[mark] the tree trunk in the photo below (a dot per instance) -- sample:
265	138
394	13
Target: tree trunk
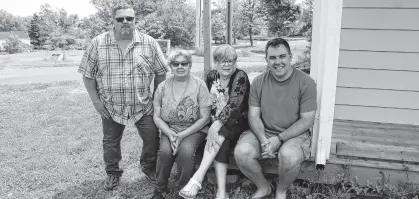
250	37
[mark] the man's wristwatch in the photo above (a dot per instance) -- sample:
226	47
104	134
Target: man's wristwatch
280	139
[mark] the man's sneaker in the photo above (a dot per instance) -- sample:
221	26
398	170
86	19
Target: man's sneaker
151	177
157	195
111	183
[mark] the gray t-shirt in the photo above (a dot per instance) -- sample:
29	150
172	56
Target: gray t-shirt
181	114
282	102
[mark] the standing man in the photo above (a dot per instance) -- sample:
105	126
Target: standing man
282	106
118	67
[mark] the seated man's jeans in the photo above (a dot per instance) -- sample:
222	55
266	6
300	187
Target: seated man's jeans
185	159
112	135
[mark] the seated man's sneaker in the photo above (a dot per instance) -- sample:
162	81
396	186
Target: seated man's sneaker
111	183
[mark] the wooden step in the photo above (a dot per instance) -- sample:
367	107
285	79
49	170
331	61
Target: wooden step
394	140
378	151
374	164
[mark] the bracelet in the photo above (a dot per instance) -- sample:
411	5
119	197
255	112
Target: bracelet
280	139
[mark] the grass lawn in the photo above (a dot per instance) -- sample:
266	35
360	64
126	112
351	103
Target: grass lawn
51	146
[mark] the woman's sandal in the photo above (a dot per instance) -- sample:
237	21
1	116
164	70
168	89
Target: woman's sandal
191	185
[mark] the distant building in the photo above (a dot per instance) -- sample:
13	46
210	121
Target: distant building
23	36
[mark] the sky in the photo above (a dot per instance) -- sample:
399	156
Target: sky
24	8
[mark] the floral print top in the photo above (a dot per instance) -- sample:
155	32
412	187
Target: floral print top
219	98
229	104
181	114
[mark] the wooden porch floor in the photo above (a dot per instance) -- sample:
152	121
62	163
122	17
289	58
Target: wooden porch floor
370	152
384	142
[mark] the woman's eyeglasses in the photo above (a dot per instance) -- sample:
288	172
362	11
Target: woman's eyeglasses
176	64
227	63
121	19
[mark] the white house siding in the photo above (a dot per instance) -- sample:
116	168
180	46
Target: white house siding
378	74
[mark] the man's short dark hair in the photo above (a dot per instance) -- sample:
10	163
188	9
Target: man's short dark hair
275	43
121	6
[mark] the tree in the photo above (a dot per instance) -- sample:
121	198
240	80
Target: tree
49	28
251	17
178	21
220	9
304	60
170	19
34	30
281	15
101	21
218	25
56	28
8	22
307	17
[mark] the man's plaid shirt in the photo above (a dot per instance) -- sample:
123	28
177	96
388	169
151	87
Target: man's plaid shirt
123	81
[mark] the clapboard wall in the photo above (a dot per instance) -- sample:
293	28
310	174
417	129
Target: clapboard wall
378	74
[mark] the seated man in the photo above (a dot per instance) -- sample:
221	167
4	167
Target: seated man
282	106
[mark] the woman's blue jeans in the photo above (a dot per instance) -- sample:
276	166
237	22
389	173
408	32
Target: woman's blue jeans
185	159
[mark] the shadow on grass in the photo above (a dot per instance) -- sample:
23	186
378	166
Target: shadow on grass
142	189
94	189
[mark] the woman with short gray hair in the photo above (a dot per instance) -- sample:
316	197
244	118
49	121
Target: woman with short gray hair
229	89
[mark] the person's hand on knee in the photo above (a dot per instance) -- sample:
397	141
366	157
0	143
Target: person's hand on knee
213	139
212	143
270	148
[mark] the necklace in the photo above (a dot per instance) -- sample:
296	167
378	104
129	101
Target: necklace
224	82
221	85
184	89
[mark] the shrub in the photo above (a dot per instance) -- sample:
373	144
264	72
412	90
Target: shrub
14	45
199	51
80	44
304	61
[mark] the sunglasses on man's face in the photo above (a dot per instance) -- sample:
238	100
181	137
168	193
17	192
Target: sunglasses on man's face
121	19
176	64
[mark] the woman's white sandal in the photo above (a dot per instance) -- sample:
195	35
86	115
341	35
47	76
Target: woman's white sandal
192	182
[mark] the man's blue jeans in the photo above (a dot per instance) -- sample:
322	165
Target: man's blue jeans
185	159
112	135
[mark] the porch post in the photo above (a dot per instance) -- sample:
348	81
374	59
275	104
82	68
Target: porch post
324	67
207	38
229	22
198	24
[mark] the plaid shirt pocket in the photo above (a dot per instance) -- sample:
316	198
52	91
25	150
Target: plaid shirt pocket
143	75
